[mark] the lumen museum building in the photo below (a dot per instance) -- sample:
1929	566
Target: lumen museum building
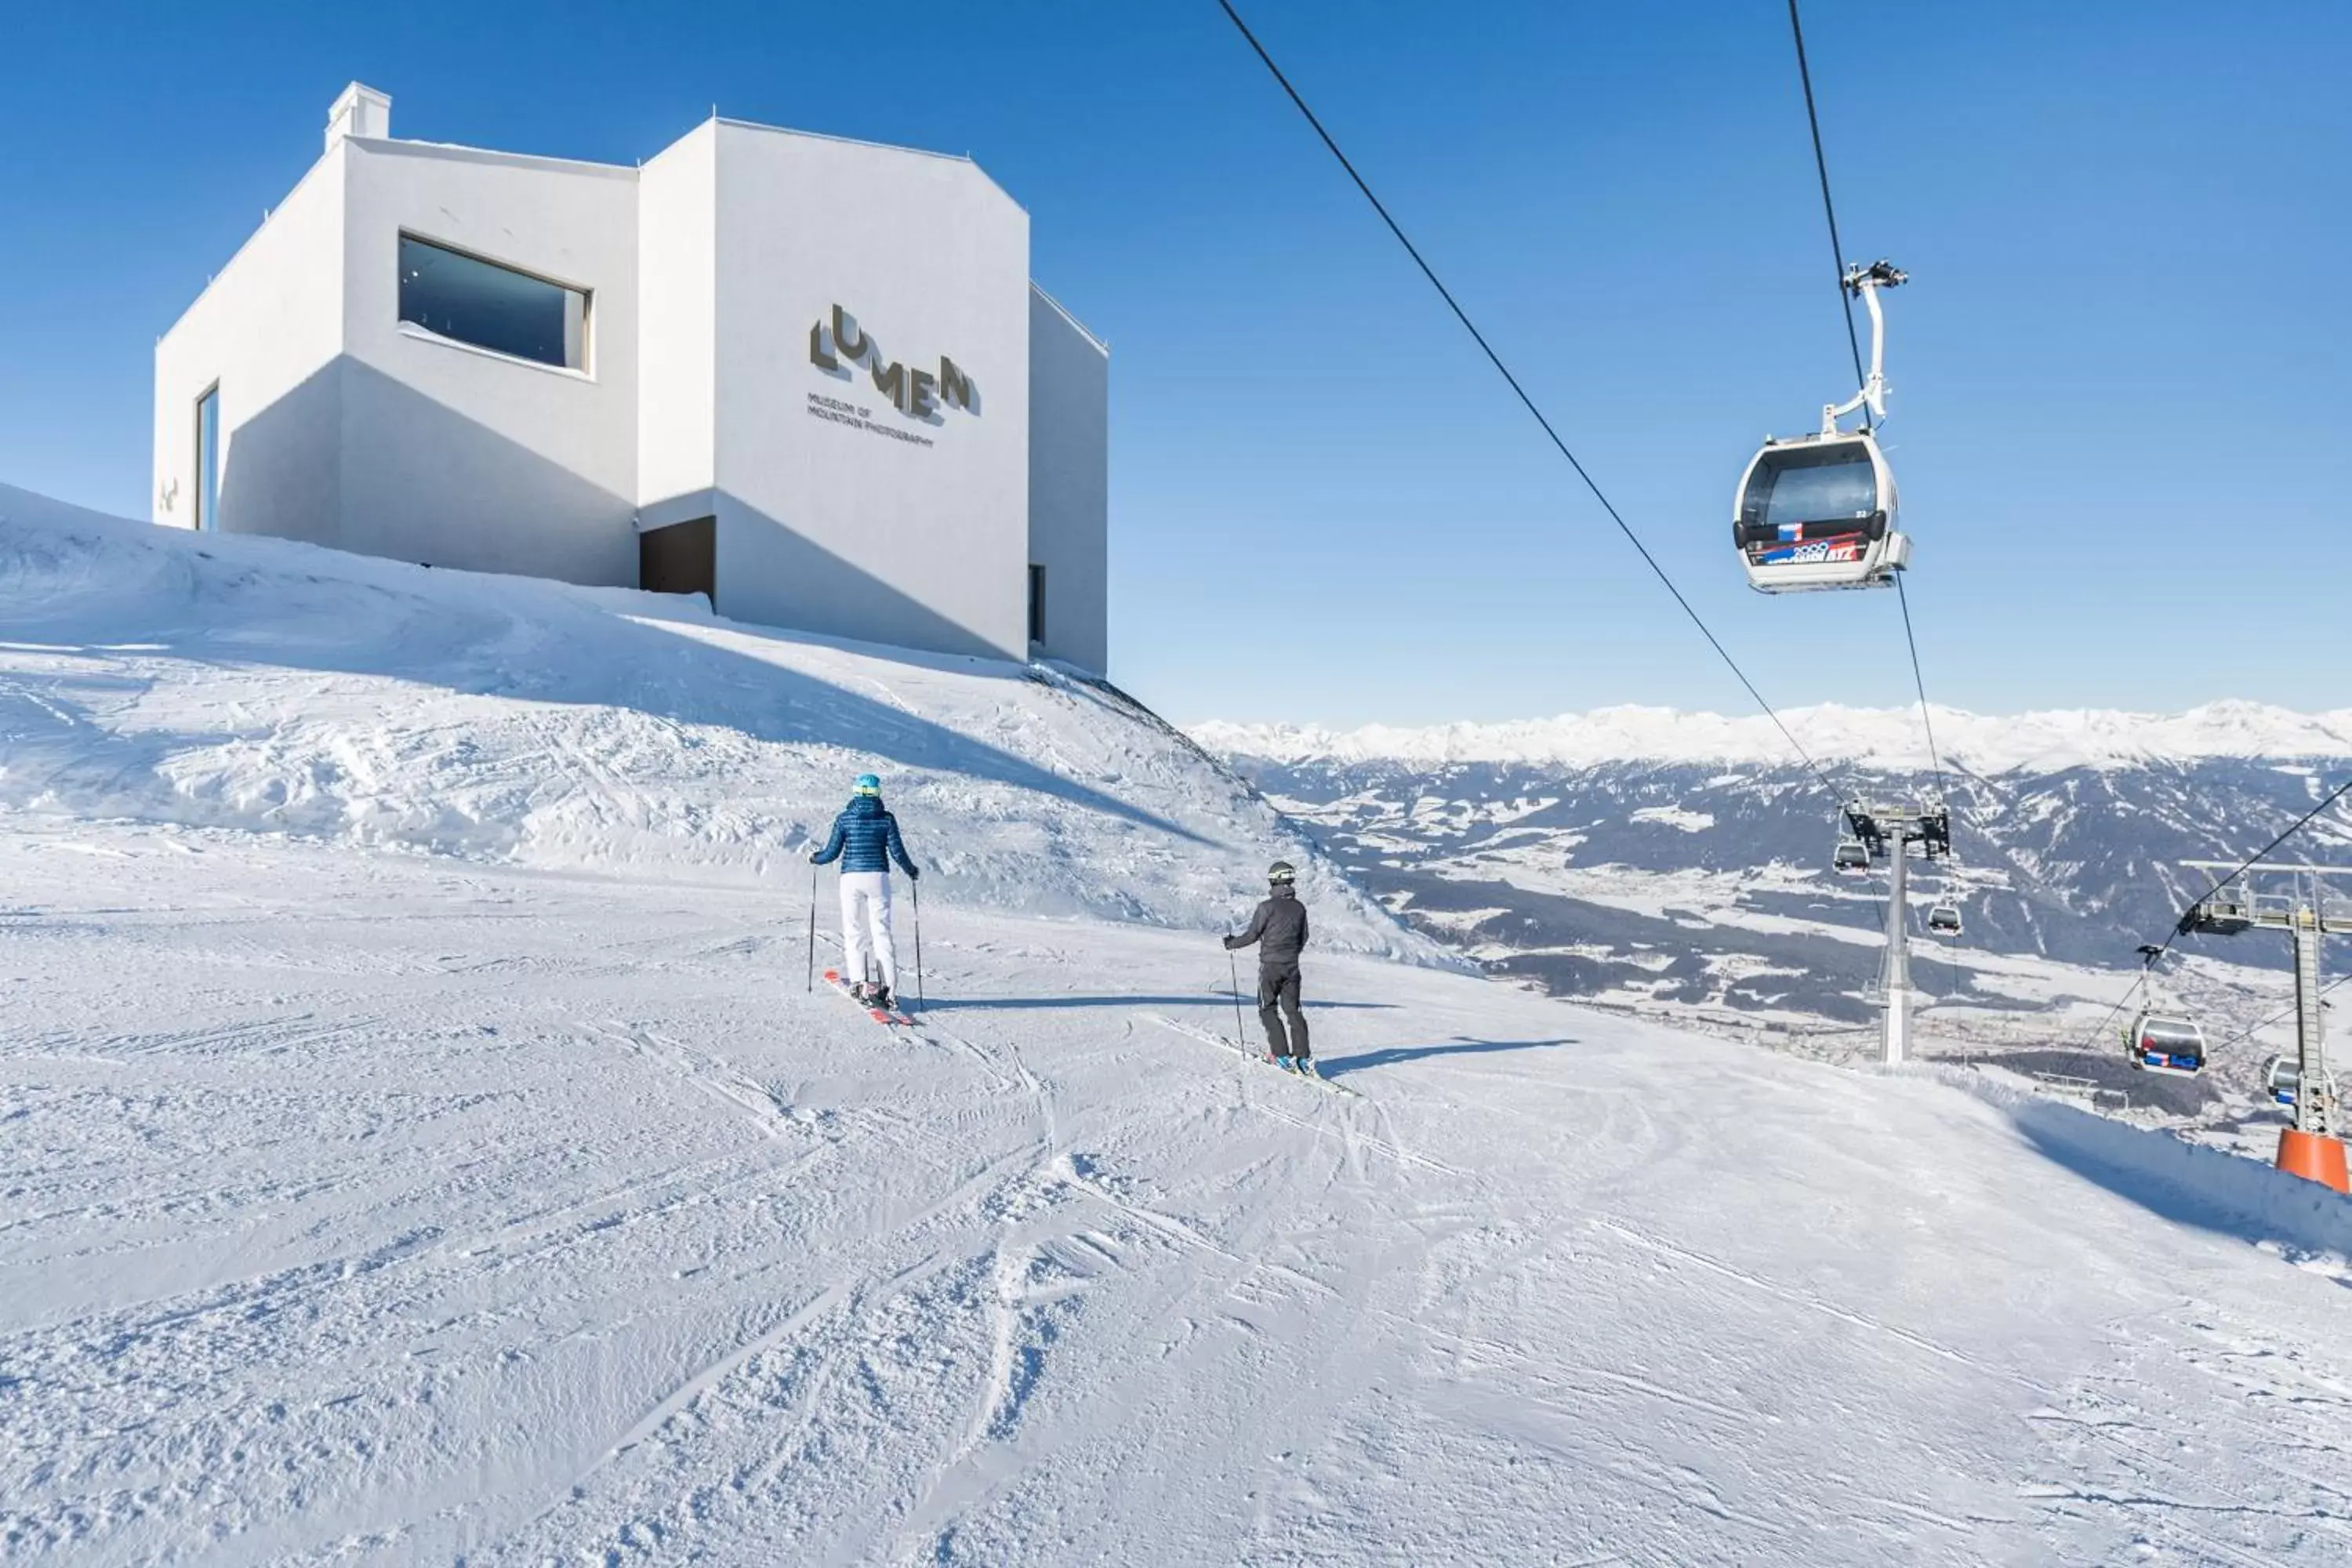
808	378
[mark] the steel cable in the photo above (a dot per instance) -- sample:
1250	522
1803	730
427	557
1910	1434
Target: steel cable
1496	359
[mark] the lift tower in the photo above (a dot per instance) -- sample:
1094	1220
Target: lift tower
2298	901
1887	833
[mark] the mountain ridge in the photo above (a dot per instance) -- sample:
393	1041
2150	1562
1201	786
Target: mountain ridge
1888	738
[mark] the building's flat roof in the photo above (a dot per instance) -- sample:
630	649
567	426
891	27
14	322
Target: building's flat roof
964	158
462	154
540	160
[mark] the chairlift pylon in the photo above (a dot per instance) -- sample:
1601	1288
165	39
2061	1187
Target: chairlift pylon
1821	510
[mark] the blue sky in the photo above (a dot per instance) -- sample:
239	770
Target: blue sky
2119	370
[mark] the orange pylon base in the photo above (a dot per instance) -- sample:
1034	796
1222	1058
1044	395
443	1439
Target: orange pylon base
2313	1158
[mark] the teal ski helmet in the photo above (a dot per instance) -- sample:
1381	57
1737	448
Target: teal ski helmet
866	784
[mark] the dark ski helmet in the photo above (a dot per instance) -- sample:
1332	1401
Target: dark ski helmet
1282	873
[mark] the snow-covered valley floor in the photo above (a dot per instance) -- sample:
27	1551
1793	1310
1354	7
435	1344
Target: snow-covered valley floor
360	1205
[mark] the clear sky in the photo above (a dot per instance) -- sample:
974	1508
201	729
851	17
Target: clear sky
2119	371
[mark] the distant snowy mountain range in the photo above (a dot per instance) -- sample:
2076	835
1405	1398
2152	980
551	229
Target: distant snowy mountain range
1679	861
1890	739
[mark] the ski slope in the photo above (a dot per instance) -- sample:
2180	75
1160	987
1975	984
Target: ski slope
420	1145
274	687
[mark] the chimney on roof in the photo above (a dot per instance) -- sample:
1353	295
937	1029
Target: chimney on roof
360	112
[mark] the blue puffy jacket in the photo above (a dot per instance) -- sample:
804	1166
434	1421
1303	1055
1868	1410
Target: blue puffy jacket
862	835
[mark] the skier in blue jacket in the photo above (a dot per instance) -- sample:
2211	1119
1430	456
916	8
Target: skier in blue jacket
866	841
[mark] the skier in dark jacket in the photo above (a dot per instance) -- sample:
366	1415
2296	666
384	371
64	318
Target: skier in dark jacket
866	841
1279	930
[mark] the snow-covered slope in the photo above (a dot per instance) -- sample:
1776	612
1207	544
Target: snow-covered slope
418	1143
274	687
369	1208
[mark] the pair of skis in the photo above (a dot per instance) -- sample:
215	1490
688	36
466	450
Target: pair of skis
883	1015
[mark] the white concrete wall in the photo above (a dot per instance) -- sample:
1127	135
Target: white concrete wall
707	269
678	333
266	328
1069	482
465	459
839	528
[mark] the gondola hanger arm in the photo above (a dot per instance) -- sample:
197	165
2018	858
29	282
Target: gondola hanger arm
1867	281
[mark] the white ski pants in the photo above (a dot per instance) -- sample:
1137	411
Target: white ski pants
865	907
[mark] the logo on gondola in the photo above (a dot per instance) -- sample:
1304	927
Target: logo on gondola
1846	550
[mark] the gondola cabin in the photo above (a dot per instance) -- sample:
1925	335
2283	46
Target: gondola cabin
1944	919
2168	1044
2284	1082
1819	512
1851	860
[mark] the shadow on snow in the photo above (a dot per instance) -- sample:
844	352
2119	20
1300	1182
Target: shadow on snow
1390	1056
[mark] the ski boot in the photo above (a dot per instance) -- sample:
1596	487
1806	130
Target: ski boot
1307	1068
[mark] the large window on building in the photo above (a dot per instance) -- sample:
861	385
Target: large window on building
208	459
453	295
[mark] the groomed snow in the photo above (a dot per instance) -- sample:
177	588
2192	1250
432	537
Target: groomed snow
439	1158
1888	738
160	676
371	1208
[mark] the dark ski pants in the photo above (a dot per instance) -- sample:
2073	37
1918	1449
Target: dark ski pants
1278	998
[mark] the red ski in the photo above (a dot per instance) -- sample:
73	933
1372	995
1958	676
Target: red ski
880	1014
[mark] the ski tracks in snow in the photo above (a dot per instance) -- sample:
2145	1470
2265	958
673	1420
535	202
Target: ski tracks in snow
608	1243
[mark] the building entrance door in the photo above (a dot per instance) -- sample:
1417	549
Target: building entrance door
680	559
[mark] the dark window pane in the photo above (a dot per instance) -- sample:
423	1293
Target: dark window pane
491	307
1805	486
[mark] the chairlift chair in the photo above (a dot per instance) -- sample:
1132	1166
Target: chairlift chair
2166	1043
1944	919
1851	859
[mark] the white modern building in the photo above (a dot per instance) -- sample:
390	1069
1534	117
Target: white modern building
808	378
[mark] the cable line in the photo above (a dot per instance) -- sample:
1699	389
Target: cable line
1822	164
1853	345
1919	682
2280	1016
2297	826
1504	370
2181	926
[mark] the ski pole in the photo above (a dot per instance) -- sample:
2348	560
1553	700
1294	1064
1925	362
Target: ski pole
915	886
814	872
1233	968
